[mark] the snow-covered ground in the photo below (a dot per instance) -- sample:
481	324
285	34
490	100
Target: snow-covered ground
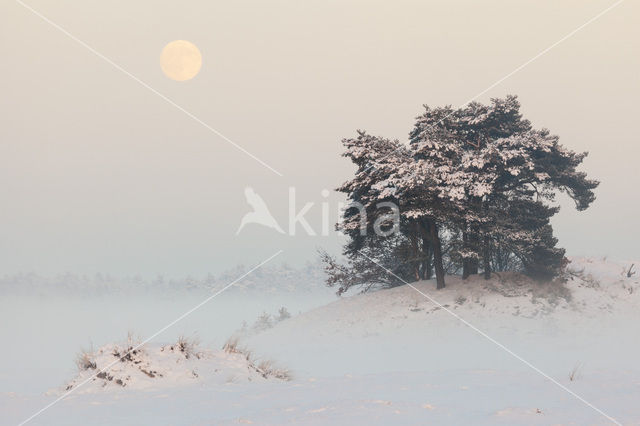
145	366
387	357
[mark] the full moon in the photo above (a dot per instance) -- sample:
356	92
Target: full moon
180	60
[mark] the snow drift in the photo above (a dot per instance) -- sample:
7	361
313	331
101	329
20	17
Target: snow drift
130	366
582	320
390	357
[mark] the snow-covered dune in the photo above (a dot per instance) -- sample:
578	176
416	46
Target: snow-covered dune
594	289
115	367
582	332
477	352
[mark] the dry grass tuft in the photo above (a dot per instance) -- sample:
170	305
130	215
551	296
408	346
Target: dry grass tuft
188	346
85	361
575	373
266	368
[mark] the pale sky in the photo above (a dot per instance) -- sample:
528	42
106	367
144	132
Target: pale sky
100	174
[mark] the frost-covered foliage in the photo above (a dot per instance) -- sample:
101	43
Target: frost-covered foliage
474	187
369	264
283	314
264	322
269	279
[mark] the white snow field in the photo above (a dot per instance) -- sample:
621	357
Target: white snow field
385	357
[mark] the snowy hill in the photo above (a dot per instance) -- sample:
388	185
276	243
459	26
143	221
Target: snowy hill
395	357
570	331
592	289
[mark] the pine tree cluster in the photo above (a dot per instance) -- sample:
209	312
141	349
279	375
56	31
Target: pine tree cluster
474	190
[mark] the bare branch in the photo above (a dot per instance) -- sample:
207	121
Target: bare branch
630	272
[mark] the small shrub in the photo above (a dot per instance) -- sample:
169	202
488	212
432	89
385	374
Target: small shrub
188	346
85	361
283	314
231	346
263	322
460	300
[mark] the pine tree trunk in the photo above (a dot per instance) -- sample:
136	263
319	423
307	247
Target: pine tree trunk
437	254
487	257
465	262
416	264
427	249
465	269
427	270
470	243
474	243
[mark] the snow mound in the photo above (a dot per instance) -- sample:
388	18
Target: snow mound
150	367
591	289
577	314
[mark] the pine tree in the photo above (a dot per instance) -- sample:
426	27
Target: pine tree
480	176
369	254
